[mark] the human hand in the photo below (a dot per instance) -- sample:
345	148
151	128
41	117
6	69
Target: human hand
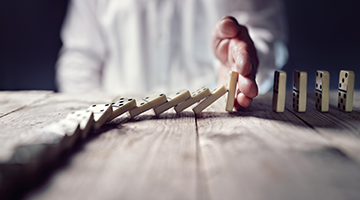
234	48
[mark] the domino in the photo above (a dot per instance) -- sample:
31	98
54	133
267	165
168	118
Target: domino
147	103
66	132
173	100
346	90
101	113
299	91
322	90
195	97
216	94
279	91
85	118
233	79
121	106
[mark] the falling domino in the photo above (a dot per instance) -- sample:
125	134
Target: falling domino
101	113
195	97
173	100
216	94
121	106
147	103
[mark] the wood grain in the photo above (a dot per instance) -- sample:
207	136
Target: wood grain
340	128
22	125
12	101
144	158
260	154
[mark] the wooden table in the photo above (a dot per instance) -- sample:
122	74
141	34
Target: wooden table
252	154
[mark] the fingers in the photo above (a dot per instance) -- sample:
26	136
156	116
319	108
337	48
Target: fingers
247	86
242	101
225	29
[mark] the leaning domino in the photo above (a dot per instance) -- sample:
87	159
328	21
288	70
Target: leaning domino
346	90
322	90
279	91
147	103
173	100
85	118
233	79
121	106
101	113
216	94
195	97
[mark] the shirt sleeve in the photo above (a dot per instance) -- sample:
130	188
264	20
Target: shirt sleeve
266	24
83	52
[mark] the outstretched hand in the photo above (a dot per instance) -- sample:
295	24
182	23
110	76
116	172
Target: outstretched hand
234	48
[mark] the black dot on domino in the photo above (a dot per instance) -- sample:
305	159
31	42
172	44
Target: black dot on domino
315	94
320	107
316	85
293	93
106	104
78	115
338	105
121	99
320	86
146	97
297	107
142	103
177	93
344	96
88	111
346	75
72	112
339	94
297	101
121	104
339	85
343	80
293	99
93	105
343	107
320	96
318	100
129	99
320	75
341	100
161	95
101	110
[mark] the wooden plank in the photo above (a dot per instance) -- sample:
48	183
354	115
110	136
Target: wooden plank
259	154
20	126
12	101
143	158
340	128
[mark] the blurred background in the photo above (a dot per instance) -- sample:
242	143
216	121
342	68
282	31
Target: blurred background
322	35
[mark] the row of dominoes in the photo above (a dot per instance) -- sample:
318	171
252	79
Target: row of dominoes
59	137
345	94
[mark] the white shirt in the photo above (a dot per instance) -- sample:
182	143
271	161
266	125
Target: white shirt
131	46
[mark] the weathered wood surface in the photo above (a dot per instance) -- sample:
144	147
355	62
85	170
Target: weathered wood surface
252	154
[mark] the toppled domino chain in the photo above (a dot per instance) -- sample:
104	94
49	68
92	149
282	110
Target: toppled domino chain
53	140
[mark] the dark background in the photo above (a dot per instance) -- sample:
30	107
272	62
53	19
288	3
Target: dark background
322	35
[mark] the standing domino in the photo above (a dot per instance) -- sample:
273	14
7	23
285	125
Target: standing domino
322	90
121	106
216	94
233	79
346	90
173	100
148	102
101	113
299	91
195	97
279	91
85	118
